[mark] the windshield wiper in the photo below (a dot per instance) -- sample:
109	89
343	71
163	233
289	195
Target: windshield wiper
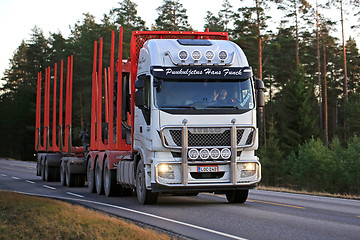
236	107
166	107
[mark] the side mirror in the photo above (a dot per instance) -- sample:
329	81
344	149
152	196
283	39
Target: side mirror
260	96
259	84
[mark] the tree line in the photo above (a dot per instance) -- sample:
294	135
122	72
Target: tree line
311	123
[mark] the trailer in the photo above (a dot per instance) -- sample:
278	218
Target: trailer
178	117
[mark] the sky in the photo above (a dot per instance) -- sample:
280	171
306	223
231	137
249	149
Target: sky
19	17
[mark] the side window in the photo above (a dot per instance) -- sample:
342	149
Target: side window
147	92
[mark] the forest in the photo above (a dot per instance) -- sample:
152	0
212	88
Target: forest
310	131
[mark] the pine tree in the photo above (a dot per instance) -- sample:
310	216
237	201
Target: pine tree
295	112
172	17
295	7
226	14
213	23
126	15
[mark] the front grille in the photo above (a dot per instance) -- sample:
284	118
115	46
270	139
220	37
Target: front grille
220	137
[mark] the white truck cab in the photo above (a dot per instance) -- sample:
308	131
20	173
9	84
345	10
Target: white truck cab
195	118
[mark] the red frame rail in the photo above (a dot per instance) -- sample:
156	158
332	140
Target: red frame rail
96	141
57	142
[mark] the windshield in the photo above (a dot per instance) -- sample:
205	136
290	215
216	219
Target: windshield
204	94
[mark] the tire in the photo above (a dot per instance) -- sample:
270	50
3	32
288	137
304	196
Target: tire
70	178
237	196
99	178
90	176
63	173
47	172
110	186
144	196
42	166
38	168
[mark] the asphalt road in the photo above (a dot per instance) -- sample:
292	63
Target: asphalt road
266	215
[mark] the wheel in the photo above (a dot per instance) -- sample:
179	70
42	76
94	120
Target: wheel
99	178
70	178
237	196
62	173
110	186
38	168
90	177
144	196
48	172
42	166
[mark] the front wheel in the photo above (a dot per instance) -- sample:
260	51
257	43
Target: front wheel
237	196
144	196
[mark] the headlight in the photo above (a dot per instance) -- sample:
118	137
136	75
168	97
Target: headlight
248	166
248	170
166	171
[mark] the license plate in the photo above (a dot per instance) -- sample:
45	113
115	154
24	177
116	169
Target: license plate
212	168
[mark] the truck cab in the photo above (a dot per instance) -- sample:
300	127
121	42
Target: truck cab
195	119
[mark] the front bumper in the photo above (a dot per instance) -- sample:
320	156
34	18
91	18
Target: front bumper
155	187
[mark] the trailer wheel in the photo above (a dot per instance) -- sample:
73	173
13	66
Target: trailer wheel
99	178
90	176
237	196
38	168
62	173
47	172
42	166
70	178
144	196
110	186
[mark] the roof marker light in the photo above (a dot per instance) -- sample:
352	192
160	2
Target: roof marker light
196	55
223	55
209	55
183	55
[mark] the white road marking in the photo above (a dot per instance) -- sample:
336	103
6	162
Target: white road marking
46	186
16	178
74	194
3	175
141	213
29	181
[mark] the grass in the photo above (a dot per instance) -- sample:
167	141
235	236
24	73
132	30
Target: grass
28	217
324	194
